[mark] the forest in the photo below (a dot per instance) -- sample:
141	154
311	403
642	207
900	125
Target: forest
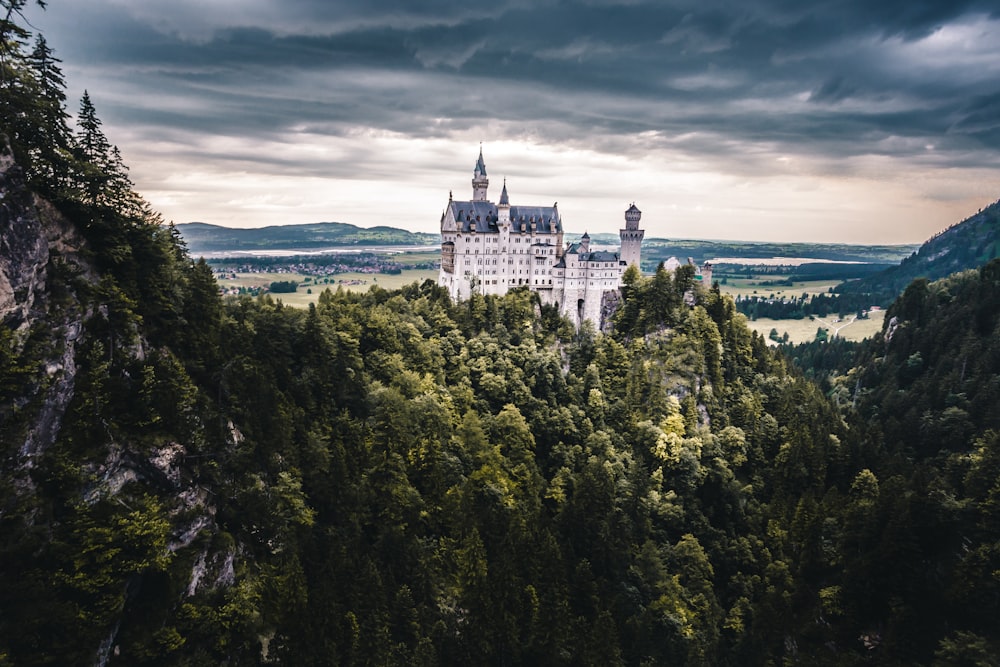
393	478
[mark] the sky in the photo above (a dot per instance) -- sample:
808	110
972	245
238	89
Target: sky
853	121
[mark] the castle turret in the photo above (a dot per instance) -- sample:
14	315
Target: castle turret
505	270
706	274
631	237
479	181
585	242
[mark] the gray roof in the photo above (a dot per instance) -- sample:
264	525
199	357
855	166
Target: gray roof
481	216
600	256
480	165
595	256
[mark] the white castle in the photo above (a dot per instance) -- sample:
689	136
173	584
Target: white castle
491	248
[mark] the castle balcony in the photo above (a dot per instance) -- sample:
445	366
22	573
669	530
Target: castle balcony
448	257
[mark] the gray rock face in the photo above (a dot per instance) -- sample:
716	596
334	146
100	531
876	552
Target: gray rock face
33	236
24	251
49	315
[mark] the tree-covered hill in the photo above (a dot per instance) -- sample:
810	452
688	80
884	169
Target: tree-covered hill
202	237
916	573
966	245
392	478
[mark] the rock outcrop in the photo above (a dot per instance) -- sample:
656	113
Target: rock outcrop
47	310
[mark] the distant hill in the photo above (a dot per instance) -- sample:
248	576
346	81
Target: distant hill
966	245
203	237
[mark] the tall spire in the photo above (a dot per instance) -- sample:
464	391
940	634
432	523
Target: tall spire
504	199
480	165
479	181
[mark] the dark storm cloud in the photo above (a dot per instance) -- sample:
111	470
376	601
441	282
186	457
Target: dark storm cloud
836	79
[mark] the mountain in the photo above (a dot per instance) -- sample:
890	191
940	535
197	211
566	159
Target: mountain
203	237
966	245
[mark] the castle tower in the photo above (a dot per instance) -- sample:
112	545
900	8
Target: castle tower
706	274
479	180
506	269
631	237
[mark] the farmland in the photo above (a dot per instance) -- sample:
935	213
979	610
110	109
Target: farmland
804	330
358	272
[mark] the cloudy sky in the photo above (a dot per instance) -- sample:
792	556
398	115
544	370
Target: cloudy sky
860	121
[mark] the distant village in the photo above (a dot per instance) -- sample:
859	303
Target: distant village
322	269
318	266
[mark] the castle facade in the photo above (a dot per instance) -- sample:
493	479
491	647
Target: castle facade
491	248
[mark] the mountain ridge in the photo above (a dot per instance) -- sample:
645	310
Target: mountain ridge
968	244
206	237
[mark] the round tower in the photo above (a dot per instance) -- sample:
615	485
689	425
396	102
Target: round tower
631	237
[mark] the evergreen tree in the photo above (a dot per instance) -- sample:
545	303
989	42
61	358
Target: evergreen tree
50	159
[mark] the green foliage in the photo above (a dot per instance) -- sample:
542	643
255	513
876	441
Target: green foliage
392	478
284	286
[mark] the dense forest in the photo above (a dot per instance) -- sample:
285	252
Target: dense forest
392	478
799	307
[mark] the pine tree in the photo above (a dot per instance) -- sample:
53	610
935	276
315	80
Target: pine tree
49	146
93	152
15	85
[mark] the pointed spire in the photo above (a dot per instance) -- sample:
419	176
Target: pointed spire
480	183
504	199
480	165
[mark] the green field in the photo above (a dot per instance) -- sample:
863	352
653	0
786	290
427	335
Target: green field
414	257
308	292
804	330
753	287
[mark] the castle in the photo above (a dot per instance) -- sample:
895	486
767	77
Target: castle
491	248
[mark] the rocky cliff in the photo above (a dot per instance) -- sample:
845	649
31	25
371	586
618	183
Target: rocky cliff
37	244
78	494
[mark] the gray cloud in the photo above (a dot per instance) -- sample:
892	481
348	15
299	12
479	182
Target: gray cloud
733	83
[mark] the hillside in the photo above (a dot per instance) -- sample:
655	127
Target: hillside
202	237
701	250
966	245
388	478
916	573
393	478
